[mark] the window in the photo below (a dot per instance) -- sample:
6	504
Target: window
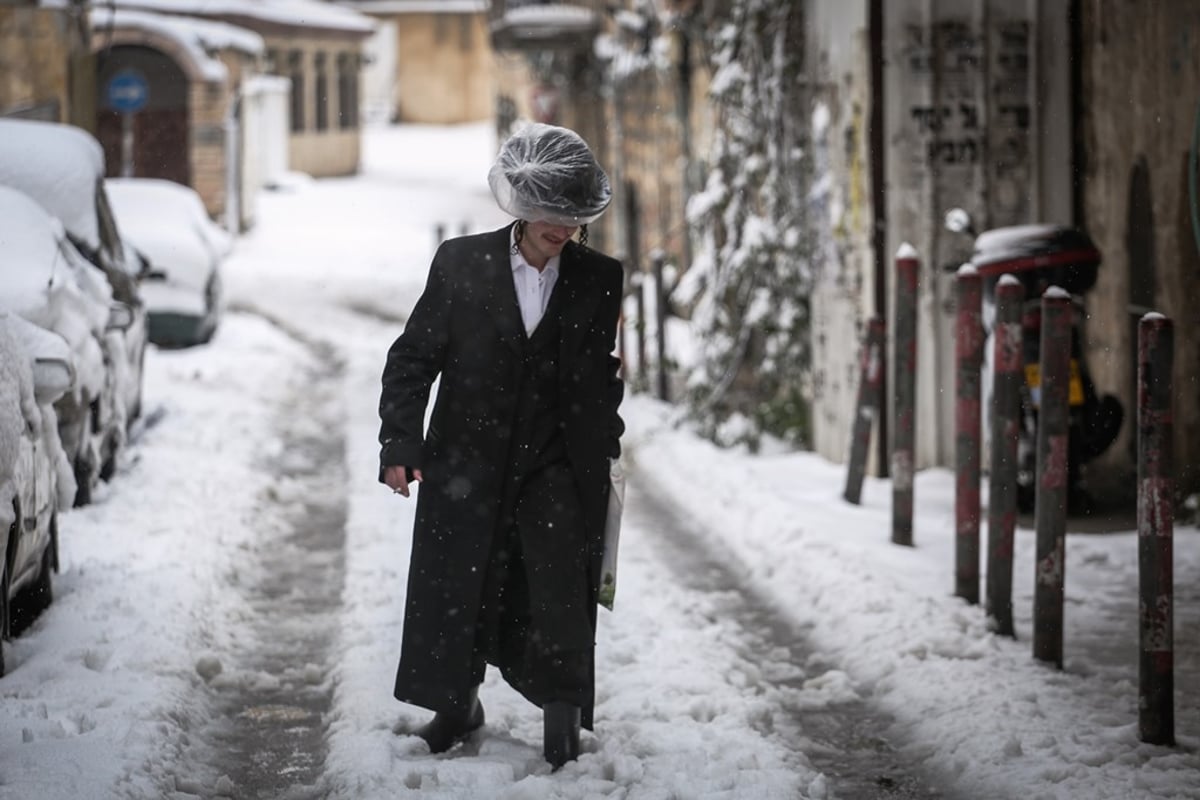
465	32
321	93
296	70
347	91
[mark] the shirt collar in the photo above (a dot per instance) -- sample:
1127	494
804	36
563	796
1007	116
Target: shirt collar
517	260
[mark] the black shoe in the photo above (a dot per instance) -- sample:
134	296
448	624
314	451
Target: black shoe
561	733
448	729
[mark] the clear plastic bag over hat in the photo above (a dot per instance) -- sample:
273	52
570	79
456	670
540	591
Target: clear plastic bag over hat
547	174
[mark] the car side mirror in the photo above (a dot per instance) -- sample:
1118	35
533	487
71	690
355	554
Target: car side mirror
120	317
52	378
144	265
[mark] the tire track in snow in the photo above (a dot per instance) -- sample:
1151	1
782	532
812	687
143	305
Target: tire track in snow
272	687
846	741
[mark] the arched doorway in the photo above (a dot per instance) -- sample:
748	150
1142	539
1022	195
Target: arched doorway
160	128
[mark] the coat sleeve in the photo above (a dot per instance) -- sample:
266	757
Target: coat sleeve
413	363
615	388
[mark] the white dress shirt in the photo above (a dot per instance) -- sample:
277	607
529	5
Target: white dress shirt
533	286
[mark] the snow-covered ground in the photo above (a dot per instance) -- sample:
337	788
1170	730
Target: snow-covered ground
110	693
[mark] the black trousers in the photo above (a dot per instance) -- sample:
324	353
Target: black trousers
533	622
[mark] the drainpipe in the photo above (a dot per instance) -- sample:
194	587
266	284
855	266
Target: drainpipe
685	139
233	151
878	144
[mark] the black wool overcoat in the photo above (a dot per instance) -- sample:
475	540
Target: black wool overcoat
466	329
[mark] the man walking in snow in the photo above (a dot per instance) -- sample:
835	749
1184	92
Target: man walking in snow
520	325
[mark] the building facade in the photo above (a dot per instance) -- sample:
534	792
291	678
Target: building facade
46	69
431	61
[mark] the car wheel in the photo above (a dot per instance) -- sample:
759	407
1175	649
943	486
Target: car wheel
54	540
109	466
40	595
4	602
31	601
4	594
83	483
1026	499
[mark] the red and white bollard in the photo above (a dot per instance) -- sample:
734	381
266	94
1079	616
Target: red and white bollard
1008	376
905	359
1050	511
968	352
1156	519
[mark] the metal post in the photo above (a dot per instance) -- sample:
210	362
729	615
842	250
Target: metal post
1155	515
632	229
1050	511
127	145
905	359
233	162
1008	376
658	259
968	350
867	408
639	291
439	234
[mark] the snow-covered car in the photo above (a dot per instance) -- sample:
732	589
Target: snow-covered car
62	168
35	371
168	224
44	279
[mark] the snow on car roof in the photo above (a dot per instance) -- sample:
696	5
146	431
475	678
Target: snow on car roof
58	166
29	243
48	283
141	203
16	400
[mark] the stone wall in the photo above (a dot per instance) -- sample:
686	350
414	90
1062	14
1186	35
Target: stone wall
444	68
35	58
1141	96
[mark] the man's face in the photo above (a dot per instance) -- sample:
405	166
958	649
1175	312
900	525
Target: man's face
543	241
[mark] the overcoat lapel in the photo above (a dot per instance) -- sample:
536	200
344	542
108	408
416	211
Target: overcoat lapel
579	301
501	298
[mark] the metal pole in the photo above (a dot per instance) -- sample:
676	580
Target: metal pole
127	145
905	359
867	408
639	290
1156	489
1008	376
968	350
1050	512
660	320
233	159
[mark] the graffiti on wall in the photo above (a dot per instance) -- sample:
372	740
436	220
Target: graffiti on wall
969	112
1010	156
946	59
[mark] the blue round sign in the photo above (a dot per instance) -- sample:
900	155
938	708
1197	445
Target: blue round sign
127	91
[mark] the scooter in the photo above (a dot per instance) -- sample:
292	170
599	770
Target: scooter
1041	256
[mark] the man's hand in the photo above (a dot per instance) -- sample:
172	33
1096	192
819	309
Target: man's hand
397	479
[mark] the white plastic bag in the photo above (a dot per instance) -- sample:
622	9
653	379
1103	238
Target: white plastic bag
612	534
